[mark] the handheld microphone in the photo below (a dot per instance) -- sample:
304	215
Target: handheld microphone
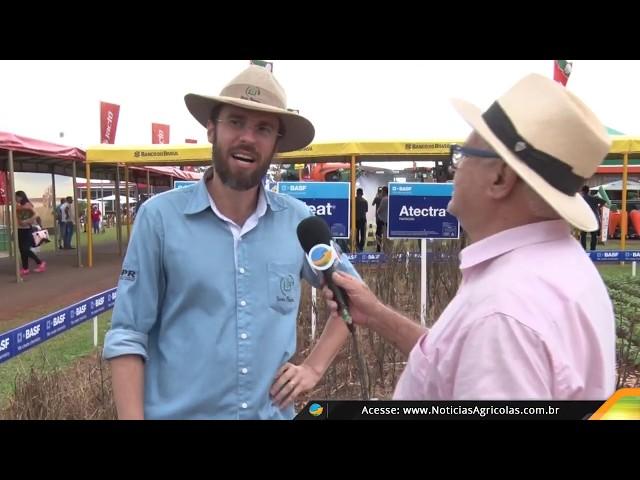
315	238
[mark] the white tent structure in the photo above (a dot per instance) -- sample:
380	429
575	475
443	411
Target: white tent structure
111	198
617	186
107	203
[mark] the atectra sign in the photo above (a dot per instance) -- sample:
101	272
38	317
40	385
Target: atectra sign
409	211
419	210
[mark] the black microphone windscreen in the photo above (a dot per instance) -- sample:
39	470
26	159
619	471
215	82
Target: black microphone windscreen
312	231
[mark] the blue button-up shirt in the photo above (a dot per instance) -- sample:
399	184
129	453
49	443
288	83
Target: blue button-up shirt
213	318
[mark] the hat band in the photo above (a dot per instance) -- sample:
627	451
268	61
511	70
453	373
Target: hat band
557	173
253	94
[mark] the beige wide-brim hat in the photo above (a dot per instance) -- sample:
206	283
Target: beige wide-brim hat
550	138
257	89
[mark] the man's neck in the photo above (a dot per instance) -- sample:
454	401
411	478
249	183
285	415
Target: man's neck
502	217
233	204
501	222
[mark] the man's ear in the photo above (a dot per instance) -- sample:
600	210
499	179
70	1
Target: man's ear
211	131
503	180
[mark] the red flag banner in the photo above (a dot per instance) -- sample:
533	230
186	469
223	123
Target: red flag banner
109	113
561	71
159	133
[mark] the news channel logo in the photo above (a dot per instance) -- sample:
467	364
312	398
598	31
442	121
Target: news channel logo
622	405
321	256
315	409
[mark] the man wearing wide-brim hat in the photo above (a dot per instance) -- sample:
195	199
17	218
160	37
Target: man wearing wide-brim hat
532	318
205	320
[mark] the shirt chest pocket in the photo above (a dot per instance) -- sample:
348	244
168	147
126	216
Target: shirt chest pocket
283	284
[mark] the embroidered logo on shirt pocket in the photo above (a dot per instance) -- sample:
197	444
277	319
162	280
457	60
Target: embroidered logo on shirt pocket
284	287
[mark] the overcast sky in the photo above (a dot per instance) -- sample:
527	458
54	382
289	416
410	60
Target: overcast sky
345	100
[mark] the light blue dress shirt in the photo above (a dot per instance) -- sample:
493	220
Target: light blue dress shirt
213	317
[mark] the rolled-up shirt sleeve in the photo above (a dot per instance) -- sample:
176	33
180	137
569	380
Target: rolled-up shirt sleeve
140	288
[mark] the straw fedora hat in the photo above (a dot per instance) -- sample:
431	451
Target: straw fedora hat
257	89
550	138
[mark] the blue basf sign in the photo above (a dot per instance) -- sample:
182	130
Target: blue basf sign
329	200
16	341
419	210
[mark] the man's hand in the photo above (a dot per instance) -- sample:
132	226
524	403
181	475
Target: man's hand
362	302
291	381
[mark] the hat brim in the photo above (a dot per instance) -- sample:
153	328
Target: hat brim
299	131
572	208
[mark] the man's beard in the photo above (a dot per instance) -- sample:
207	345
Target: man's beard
244	180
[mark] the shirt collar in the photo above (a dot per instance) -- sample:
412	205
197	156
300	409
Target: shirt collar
200	197
512	239
261	208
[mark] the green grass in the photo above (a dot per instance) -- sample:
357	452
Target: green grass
57	353
616	270
614	244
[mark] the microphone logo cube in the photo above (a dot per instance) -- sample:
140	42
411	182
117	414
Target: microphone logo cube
321	256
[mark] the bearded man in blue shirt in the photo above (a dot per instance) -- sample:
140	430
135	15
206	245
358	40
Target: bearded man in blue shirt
204	323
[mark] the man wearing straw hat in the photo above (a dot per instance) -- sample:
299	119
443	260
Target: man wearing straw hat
205	320
532	318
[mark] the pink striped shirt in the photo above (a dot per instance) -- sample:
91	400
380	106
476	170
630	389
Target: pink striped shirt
532	319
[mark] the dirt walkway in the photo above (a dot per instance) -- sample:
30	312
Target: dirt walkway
62	284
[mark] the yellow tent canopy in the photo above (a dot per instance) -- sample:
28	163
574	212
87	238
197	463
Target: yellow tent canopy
403	150
194	154
625	144
187	154
348	152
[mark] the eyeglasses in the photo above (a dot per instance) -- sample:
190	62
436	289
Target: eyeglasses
458	152
263	131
